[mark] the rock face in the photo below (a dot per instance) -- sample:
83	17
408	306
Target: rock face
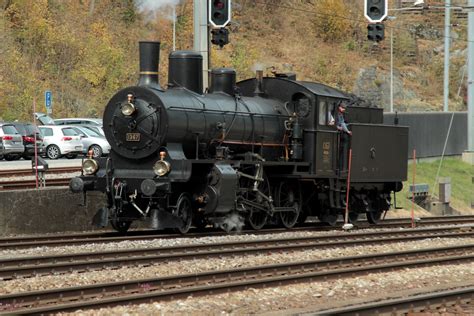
373	85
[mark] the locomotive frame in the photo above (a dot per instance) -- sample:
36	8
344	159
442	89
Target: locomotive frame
259	151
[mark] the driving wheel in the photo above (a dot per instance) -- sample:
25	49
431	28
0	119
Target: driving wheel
184	210
257	204
288	195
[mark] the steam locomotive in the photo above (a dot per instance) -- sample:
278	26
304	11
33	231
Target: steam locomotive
255	152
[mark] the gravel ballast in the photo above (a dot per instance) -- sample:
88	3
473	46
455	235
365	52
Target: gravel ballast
166	242
202	265
305	296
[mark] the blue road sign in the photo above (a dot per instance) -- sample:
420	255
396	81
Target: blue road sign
48	101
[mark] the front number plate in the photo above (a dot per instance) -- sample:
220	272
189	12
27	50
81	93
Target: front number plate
132	137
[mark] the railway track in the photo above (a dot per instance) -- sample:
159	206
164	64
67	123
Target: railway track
89	261
213	282
106	237
31	184
425	304
29	172
15	184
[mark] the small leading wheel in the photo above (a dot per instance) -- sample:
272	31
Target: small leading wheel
120	226
184	210
288	195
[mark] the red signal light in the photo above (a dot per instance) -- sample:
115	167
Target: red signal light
219	4
219	12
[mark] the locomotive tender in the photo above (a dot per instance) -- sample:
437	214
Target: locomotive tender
259	151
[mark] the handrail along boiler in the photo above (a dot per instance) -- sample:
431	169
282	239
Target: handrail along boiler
259	151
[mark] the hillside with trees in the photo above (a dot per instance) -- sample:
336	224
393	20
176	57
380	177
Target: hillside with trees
85	50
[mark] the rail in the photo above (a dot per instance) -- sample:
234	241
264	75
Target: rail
12	243
57	264
31	184
424	304
224	281
29	172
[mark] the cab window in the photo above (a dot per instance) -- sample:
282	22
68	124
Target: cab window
322	112
330	114
327	113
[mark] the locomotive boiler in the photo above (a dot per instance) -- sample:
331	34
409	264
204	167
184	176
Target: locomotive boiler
255	152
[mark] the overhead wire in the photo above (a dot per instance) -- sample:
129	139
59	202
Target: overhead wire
346	18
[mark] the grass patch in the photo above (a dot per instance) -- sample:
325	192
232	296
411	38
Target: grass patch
461	174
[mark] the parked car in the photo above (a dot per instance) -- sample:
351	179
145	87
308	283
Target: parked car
61	141
30	134
95	124
1	148
91	140
44	119
12	142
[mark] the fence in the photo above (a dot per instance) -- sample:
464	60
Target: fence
428	131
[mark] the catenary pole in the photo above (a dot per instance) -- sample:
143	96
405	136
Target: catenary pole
201	37
470	81
447	32
391	69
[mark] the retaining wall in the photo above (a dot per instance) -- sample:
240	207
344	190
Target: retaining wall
48	210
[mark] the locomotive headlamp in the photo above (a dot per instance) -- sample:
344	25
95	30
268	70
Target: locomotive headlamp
162	167
128	108
90	166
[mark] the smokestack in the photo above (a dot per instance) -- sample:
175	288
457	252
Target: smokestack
259	83
149	64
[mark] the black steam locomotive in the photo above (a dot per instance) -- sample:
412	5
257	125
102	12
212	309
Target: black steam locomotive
256	152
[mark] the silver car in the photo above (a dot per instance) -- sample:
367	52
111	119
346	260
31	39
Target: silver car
95	124
92	141
61	141
12	142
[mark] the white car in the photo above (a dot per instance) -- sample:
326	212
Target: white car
92	141
61	141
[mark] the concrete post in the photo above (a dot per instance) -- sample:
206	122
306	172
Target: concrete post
201	38
391	69
447	40
468	155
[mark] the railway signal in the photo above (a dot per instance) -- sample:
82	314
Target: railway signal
375	10
220	36
375	32
219	12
